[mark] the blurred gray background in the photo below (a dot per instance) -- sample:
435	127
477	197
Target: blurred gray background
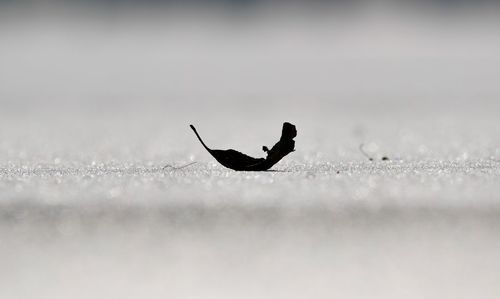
332	67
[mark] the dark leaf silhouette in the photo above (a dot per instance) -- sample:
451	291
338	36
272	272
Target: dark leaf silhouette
238	161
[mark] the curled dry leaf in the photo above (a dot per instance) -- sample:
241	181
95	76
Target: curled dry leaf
238	161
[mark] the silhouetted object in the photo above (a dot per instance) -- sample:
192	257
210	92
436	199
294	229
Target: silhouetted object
178	167
238	161
361	149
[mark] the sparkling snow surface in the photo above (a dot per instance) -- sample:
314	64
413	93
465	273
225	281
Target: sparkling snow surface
90	118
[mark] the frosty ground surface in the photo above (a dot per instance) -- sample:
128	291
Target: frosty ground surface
118	223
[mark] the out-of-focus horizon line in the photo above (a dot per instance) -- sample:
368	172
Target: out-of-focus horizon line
448	3
241	11
249	5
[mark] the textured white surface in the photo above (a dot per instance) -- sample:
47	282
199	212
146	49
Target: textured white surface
86	223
